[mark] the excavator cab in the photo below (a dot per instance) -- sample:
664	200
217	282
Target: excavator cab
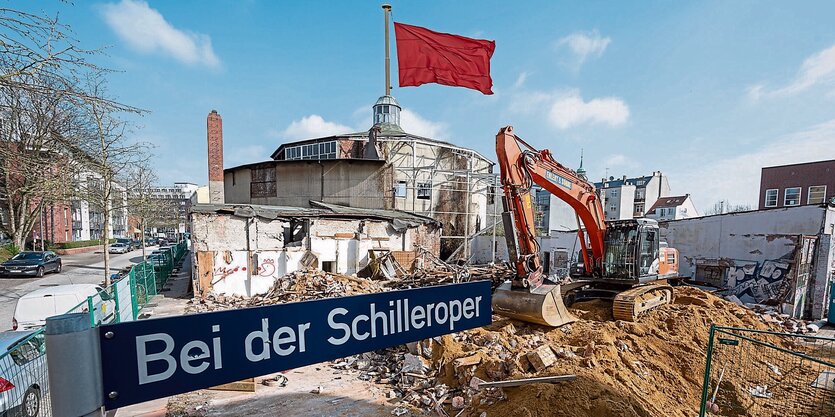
631	251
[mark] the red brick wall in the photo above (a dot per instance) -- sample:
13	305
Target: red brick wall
797	175
57	223
214	129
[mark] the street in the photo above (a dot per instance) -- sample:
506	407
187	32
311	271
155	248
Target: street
82	268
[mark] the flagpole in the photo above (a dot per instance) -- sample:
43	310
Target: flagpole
386	12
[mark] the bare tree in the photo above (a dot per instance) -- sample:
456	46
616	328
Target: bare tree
36	141
108	153
141	201
41	93
725	206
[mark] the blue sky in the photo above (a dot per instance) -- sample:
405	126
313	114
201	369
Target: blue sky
707	92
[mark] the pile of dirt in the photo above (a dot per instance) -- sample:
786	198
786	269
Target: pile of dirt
653	367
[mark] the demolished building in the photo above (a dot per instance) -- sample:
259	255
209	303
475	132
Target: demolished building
244	249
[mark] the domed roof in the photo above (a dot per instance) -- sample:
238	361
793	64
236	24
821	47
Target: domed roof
387	100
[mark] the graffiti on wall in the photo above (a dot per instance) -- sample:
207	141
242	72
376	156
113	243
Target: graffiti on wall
758	281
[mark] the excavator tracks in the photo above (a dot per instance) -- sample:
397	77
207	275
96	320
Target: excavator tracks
632	303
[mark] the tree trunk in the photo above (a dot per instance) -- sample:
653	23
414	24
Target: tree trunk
142	237
106	233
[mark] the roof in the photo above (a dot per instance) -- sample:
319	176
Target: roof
617	182
674	201
802	163
386	135
60	289
314	161
318	209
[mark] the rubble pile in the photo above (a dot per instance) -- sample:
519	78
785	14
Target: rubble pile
787	323
308	284
649	368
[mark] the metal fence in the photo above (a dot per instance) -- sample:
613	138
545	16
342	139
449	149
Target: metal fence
759	373
24	384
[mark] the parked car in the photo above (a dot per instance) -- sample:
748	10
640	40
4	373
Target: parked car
31	264
22	373
118	248
32	309
128	242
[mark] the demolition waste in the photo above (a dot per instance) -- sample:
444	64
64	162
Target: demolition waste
653	367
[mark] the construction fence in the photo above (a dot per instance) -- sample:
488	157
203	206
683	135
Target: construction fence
760	373
24	384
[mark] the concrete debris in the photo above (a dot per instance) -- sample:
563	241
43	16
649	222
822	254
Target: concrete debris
771	315
542	358
760	391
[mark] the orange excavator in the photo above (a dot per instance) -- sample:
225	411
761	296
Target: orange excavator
623	260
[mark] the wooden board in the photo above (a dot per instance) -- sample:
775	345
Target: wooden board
205	272
244	385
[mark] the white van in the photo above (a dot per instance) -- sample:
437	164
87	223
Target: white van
32	309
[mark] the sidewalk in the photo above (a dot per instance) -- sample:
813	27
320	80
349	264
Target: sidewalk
171	301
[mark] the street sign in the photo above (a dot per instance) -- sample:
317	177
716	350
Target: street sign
148	359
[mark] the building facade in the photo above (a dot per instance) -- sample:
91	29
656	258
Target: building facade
179	197
628	198
673	208
810	183
384	168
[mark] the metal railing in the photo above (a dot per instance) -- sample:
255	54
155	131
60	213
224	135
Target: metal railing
24	382
759	373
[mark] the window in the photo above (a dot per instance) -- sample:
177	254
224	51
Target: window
639	207
424	191
613	208
816	195
322	150
400	189
771	197
792	197
613	193
263	182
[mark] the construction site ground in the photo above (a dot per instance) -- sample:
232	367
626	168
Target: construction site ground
650	368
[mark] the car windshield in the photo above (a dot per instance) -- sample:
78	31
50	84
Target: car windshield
28	256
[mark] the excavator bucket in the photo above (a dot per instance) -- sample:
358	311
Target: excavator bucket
542	305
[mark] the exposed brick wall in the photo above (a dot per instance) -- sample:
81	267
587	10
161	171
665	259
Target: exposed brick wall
214	130
797	175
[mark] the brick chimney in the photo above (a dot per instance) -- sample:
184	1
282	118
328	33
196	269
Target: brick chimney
214	131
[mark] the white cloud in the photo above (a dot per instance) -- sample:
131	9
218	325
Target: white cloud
738	177
569	110
312	126
619	161
415	124
520	80
147	31
816	69
584	45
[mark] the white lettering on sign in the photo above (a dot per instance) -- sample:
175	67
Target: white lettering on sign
399	318
159	356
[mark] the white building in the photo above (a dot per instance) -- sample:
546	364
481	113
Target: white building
628	198
673	208
88	218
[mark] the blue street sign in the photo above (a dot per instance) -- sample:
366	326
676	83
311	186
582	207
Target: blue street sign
148	359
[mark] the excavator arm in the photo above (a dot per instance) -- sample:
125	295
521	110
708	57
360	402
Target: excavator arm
520	169
529	296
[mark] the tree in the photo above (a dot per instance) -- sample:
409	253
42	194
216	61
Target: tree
141	202
41	95
36	132
725	206
107	154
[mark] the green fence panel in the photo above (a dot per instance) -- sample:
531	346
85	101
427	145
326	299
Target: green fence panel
759	373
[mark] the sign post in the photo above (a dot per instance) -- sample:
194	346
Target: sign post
149	359
74	366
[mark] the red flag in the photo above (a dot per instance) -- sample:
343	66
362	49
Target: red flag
425	56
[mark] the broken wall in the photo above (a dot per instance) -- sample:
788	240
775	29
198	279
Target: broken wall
245	256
